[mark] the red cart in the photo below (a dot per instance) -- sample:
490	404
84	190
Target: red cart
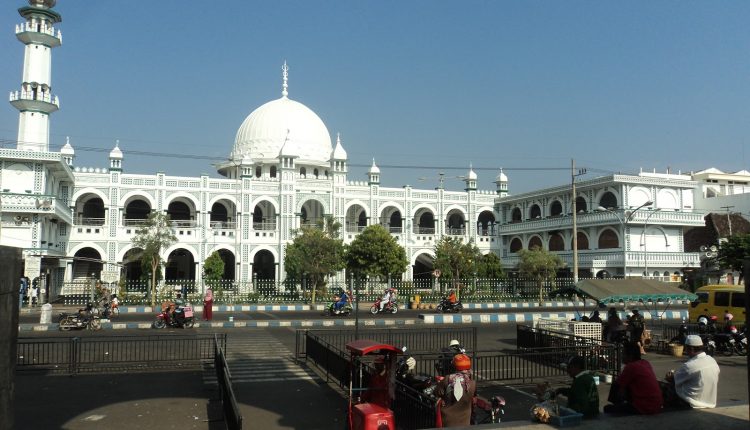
374	411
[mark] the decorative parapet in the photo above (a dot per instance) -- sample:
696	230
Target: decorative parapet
43	34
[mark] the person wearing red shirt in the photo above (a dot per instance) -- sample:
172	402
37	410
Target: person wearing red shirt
636	390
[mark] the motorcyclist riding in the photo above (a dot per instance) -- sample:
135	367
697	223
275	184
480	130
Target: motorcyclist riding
388	296
446	357
175	312
343	299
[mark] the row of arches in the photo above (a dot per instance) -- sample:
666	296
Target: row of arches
91	209
607	239
180	264
607	200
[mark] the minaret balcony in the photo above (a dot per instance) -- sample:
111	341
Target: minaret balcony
46	36
34	101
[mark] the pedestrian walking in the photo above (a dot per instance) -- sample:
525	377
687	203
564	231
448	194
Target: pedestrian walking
22	291
208	303
34	295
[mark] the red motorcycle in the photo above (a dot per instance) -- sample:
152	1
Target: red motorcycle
390	307
183	318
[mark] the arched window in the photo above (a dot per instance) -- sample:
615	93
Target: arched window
535	242
535	212
273	171
608	239
302	172
556	208
583	241
515	215
315	172
581	205
608	201
515	245
258	171
556	242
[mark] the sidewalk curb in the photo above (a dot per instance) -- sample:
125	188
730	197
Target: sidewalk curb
339	322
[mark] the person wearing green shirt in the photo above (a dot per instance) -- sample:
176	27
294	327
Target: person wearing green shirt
582	395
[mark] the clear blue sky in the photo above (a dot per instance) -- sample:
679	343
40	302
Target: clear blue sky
615	85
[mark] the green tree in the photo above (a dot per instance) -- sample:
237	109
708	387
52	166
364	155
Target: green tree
374	252
455	259
539	265
315	253
733	251
213	270
152	237
490	267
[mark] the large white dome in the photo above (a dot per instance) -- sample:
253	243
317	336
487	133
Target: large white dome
283	122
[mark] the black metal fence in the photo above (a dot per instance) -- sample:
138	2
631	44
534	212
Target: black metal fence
114	353
550	349
230	409
415	339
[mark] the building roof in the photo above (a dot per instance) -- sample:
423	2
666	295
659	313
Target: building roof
717	227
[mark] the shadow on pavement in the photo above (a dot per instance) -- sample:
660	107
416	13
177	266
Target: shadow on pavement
165	400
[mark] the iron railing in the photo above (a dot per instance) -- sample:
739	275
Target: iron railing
415	340
102	354
299	290
230	409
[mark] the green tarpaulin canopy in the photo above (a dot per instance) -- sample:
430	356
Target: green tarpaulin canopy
631	290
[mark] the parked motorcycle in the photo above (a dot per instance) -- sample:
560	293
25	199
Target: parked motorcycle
719	343
390	307
447	306
183	318
84	318
740	341
345	310
487	412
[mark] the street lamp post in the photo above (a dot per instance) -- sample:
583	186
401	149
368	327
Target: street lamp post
623	223
645	239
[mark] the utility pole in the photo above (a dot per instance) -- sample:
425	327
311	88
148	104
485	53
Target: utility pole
729	219
573	176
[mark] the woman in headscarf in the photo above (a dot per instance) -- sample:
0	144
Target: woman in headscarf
208	303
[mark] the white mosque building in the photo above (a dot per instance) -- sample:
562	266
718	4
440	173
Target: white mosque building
285	171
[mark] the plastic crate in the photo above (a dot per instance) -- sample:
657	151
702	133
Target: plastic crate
588	330
567	418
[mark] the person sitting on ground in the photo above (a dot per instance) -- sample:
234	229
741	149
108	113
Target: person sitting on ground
456	393
582	395
695	384
636	390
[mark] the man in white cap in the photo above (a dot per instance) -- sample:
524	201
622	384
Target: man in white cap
695	384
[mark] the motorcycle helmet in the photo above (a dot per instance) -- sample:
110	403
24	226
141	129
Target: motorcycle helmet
702	320
454	342
728	316
714	318
411	363
461	362
733	330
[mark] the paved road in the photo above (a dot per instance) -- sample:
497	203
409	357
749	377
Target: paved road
276	393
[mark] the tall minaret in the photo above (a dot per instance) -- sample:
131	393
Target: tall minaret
35	100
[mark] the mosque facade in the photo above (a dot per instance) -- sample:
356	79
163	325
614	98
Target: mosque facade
285	171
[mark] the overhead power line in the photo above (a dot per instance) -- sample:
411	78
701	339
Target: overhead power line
7	142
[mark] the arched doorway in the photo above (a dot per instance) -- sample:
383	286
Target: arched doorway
608	239
264	216
90	210
181	213
87	264
136	211
132	267
455	223
228	258
311	213
264	267
356	219
180	266
424	222
486	224
422	271
390	218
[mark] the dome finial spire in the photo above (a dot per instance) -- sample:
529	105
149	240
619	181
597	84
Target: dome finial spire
285	76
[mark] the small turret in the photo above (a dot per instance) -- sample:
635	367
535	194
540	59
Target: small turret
501	181
68	153
115	157
471	180
338	156
373	175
